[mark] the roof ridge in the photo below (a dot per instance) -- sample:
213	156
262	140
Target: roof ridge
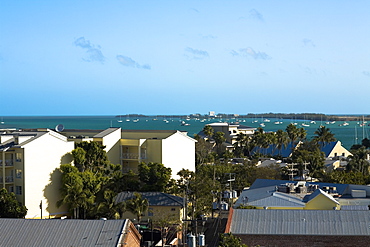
171	197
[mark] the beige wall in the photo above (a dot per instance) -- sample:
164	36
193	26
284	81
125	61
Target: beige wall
41	157
112	146
321	202
170	213
178	152
339	150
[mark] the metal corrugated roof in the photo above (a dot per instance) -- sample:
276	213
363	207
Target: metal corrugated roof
106	132
23	232
300	222
268	197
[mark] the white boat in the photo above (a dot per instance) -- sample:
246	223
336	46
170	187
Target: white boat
262	125
266	120
305	125
120	119
313	122
183	123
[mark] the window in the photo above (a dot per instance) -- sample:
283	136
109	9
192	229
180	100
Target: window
18	190
18	173
173	209
18	157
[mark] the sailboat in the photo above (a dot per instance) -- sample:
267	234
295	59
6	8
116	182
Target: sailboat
120	119
2	120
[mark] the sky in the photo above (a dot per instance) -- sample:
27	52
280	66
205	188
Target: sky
182	57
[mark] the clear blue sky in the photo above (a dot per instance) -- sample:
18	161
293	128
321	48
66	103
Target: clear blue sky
181	57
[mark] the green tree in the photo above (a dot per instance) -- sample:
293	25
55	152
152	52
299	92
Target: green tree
93	157
358	161
345	177
9	206
137	205
309	156
324	136
366	143
154	176
109	208
219	138
292	132
229	240
282	140
76	190
208	131
203	151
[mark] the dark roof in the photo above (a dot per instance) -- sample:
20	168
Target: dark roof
154	198
67	232
327	147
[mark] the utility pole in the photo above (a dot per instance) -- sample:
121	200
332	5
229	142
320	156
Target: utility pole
41	208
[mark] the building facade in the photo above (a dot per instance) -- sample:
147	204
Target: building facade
28	160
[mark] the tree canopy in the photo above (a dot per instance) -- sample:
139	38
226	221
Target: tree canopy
9	206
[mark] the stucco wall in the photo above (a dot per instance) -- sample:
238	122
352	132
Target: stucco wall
321	202
41	157
178	152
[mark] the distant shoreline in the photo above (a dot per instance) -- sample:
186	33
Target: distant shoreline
298	116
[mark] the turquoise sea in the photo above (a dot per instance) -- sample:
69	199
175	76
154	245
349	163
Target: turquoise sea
346	132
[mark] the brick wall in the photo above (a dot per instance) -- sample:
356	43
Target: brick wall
304	240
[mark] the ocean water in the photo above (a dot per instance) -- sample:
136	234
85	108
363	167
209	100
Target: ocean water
345	133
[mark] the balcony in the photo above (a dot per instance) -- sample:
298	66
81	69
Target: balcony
132	156
7	163
8	179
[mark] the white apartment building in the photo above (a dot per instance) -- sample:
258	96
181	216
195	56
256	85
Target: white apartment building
28	161
174	149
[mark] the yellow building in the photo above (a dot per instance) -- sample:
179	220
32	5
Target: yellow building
320	200
174	149
161	206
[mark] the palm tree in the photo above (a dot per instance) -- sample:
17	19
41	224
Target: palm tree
208	131
324	135
137	205
358	162
108	208
292	132
219	138
282	140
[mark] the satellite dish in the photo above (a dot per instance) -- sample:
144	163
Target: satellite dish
59	128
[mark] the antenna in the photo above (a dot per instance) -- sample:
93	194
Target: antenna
59	128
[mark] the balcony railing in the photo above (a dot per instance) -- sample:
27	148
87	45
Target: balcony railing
7	162
133	156
8	179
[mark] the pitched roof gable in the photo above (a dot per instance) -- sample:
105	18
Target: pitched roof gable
318	192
